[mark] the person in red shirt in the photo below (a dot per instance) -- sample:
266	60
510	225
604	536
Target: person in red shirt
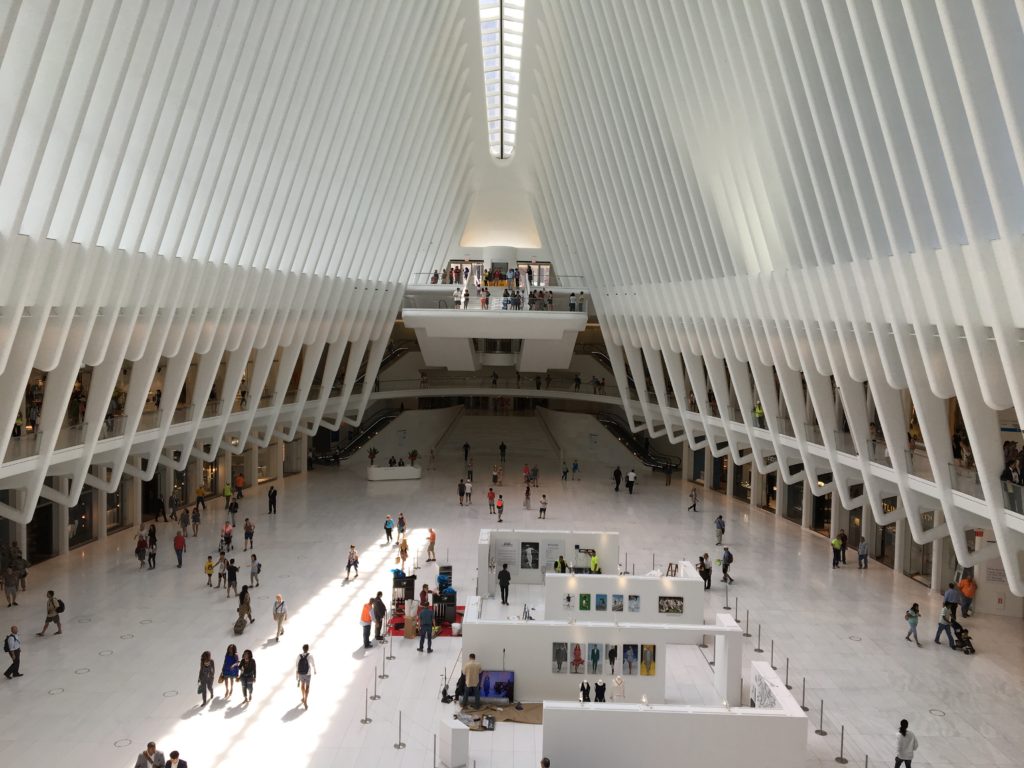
490	500
179	546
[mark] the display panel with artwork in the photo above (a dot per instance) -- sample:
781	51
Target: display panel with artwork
529	555
594	658
600	602
630	659
577	664
647	660
584	601
634	603
611	655
617	603
670	605
560	657
495	684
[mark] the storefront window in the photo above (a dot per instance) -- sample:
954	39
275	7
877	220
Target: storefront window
741	482
6	532
212	483
821	515
771	491
80	520
180	489
918	557
795	502
266	463
117	518
720	471
697	474
39	533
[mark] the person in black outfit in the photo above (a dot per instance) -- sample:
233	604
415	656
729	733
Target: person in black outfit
379	611
504	579
272	500
465	451
617	476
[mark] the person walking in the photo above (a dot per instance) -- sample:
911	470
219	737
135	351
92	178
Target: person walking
179	547
968	589
694	498
196	519
951	599
222	570
431	541
462	492
403	551
465	451
366	621
912	616
504	579
254	571
229	670
526	497
352	562
232	578
380	611
945	619
469	492
502	448
54	608
837	546
575	469
151	554
272	501
471	671
719	530
906	745
12	647
862	553
176	761
706	559
208	567
305	667
843	538
150	757
233	511
248	534
247	674
11	585
727	560
239	485
401	526
499	505
630	480
226	493
245	605
565	472
426	618
490	501
617	477
207	671
389	526
280	614
542	510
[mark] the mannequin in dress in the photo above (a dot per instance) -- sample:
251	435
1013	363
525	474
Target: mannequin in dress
599	687
584	691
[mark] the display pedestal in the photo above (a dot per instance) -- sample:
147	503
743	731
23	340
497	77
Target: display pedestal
453	743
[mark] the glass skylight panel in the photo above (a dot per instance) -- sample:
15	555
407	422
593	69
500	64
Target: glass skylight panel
501	39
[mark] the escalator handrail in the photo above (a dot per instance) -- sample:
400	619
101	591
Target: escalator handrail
650	457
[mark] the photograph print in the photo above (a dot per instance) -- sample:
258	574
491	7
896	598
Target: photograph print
600	602
647	660
560	658
634	603
617	603
630	659
595	652
529	555
670	605
584	601
611	655
577	664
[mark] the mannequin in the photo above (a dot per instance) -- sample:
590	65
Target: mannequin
620	688
599	687
584	691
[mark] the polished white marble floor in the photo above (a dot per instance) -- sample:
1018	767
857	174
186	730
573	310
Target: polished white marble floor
124	671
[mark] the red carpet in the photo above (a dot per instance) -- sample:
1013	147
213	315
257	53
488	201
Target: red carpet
396	625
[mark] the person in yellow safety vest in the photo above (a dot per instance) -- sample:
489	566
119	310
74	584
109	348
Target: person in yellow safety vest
595	565
759	414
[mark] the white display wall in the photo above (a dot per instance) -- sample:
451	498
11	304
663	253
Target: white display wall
636	599
533	650
632	734
531	554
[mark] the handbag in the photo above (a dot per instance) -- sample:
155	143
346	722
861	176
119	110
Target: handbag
220	678
199	689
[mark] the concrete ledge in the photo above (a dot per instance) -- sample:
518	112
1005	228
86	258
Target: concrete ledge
394	473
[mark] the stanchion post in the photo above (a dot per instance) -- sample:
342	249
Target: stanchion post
400	744
366	708
713	647
821	721
746	632
375	696
433	762
788	686
759	649
771	661
736	611
842	743
652	561
703	641
727	607
391	644
803	695
383	665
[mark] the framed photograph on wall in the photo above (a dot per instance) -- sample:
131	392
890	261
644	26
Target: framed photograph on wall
634	603
617	603
670	605
611	655
560	658
600	602
630	659
648	662
584	601
595	656
529	556
577	664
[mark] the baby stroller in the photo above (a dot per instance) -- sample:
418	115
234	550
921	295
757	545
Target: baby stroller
962	638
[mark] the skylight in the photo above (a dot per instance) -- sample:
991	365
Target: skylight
501	35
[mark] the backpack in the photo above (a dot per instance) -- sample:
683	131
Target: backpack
303	664
259	567
60	605
7	643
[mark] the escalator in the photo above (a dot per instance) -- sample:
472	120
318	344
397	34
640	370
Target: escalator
360	436
638	446
604	360
391	356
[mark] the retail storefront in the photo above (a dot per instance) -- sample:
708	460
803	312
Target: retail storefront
81	520
212	482
41	544
917	559
821	510
770	492
741	482
697	470
794	509
883	540
720	471
116	509
268	462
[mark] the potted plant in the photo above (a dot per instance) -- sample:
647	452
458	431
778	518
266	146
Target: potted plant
372	453
413	455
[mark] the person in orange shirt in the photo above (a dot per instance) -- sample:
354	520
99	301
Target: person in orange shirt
968	589
239	484
366	619
431	541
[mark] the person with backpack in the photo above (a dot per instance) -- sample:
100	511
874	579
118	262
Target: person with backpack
380	610
499	505
353	561
12	647
837	546
54	608
727	560
280	612
255	566
304	666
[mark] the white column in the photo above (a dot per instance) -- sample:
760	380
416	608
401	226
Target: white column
808	505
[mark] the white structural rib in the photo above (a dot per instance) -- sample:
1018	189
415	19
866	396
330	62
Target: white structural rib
814	206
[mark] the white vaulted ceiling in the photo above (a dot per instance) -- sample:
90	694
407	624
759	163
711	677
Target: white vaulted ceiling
766	198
